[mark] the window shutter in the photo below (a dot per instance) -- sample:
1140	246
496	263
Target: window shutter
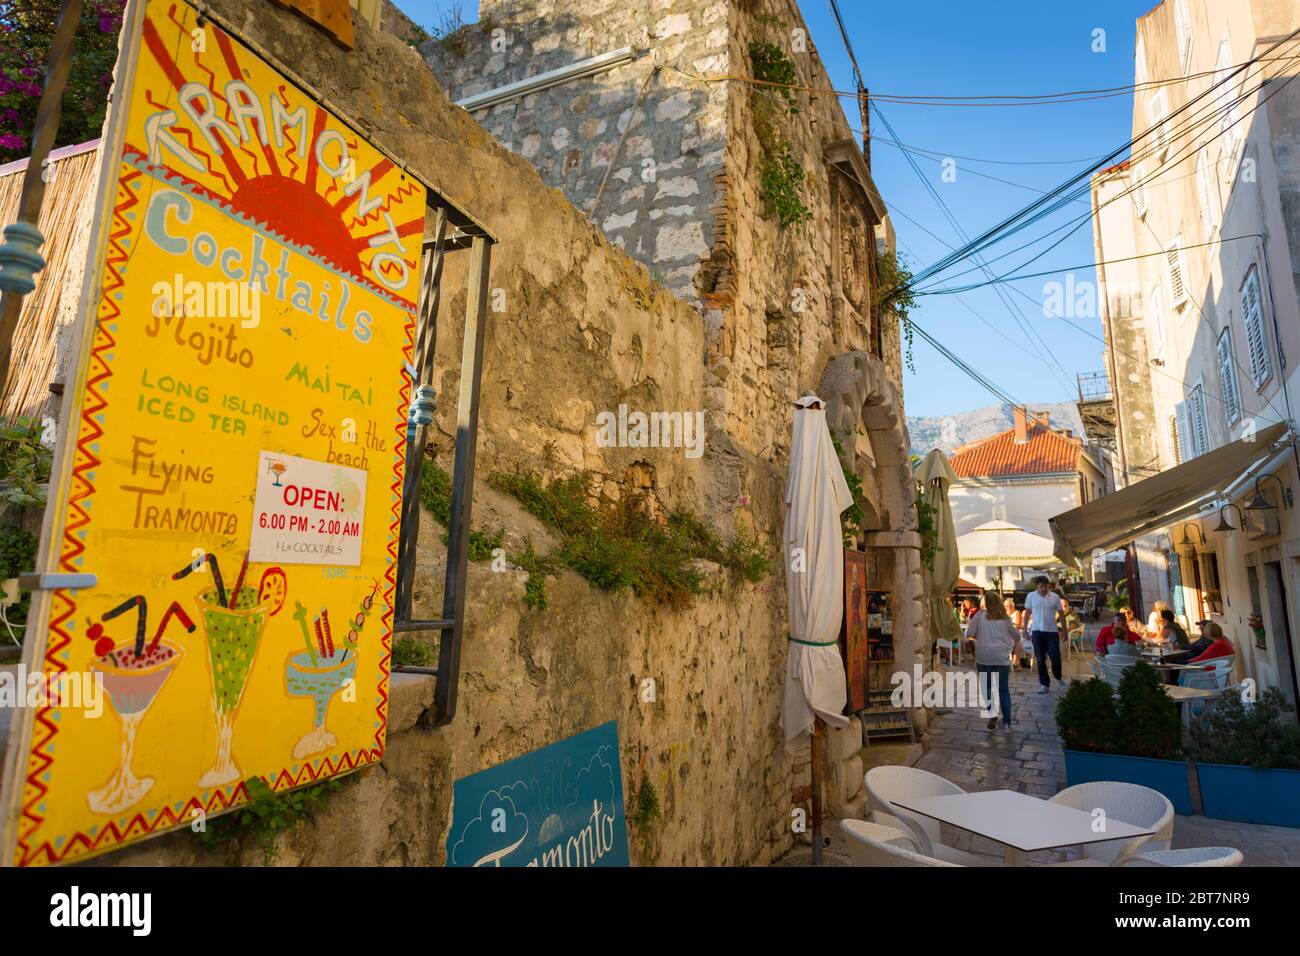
1183	28
1252	314
1200	436
1182	432
1156	323
1177	286
1228	378
1160	122
1140	191
1225	93
1209	201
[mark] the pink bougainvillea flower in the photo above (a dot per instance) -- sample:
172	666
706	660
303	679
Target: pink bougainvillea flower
12	141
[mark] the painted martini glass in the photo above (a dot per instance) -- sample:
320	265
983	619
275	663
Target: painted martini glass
132	682
320	679
322	669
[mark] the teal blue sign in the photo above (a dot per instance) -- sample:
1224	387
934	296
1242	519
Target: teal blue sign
558	806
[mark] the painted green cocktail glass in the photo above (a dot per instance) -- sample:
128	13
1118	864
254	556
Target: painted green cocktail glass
320	679
233	638
132	683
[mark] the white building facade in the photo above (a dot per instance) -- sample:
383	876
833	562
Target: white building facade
1198	240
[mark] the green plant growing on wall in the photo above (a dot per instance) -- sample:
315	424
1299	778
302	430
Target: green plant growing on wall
852	517
771	65
927	526
645	811
408	652
435	493
892	295
24	472
780	181
266	815
538	567
624	547
780	177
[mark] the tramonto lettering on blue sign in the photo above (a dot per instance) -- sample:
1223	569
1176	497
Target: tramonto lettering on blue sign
561	805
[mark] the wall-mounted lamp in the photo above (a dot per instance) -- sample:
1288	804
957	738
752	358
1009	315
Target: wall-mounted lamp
1225	525
1260	503
1187	542
1167	546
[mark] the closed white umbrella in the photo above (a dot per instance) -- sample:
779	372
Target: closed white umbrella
936	476
815	495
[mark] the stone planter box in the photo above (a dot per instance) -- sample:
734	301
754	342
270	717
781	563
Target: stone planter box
1250	796
1169	777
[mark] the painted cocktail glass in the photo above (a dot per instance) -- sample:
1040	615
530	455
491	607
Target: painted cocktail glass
319	677
132	683
234	634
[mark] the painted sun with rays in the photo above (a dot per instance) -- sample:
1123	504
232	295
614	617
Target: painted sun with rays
264	150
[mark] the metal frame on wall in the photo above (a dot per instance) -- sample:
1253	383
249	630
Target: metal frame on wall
464	234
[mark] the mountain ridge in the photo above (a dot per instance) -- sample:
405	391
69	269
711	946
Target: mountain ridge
949	432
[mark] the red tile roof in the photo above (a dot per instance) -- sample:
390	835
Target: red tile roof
1046	452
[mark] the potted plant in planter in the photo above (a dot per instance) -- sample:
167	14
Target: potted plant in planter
1248	760
1133	738
1215	600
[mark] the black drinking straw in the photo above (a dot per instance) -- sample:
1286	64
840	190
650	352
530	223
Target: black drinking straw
216	576
137	602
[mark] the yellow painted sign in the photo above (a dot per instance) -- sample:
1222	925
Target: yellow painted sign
234	453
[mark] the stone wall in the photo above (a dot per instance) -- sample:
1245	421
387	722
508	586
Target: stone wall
636	148
666	158
581	328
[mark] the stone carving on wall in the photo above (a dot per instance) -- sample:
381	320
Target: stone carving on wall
855	282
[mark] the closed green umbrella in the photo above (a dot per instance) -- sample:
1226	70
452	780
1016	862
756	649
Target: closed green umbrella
935	475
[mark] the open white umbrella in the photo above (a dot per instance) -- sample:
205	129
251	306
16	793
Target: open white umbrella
1002	544
815	495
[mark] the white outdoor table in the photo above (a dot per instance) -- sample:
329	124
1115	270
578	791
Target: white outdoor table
1019	822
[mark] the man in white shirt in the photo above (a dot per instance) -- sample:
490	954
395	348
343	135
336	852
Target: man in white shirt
1043	605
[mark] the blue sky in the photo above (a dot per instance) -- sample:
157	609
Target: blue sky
963	48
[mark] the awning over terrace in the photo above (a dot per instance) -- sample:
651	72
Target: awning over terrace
1164	498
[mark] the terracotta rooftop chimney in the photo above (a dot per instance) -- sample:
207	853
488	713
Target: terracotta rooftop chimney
1022	426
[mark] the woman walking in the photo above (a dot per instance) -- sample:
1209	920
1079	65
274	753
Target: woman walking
995	640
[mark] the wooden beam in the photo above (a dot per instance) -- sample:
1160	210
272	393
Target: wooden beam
333	17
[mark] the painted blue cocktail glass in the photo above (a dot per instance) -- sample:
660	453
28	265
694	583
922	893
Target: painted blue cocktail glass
319	677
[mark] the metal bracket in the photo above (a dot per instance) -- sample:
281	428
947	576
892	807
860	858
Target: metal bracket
56	582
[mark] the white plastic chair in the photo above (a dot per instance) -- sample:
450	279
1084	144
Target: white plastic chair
1214	674
951	647
1126	803
1072	638
873	845
1113	668
885	784
1094	665
1191	856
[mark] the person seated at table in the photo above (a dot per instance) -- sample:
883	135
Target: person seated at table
969	608
1172	632
1116	639
1134	625
1154	620
1220	646
1069	617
